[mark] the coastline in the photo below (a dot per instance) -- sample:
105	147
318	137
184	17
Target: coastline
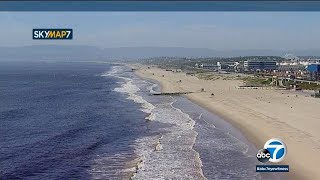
229	109
171	137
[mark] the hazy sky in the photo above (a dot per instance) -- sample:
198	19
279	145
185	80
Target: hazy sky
215	30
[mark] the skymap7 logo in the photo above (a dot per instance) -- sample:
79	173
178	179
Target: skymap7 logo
52	34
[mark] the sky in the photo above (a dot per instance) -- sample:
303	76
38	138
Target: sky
213	30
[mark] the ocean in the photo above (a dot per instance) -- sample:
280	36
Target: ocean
100	121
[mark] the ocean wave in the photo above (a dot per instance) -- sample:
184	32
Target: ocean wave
117	166
168	155
114	70
131	89
171	154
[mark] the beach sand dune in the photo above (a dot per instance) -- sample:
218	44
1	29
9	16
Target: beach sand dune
260	114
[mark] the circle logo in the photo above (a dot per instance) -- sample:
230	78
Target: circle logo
277	150
263	155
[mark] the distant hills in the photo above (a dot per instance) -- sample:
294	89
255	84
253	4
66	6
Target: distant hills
74	52
49	52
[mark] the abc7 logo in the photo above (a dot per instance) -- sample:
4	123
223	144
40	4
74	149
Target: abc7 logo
274	151
263	155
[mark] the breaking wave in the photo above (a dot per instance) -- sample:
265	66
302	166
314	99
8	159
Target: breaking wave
130	89
170	153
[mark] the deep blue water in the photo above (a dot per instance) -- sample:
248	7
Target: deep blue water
57	119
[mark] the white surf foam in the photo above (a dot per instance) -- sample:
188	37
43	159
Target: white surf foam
130	89
170	155
114	70
152	87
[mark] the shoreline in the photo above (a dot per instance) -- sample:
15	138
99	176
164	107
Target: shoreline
153	150
256	136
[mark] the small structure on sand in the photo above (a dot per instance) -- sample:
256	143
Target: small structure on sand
316	94
202	89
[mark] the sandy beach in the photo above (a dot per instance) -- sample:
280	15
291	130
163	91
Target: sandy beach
260	114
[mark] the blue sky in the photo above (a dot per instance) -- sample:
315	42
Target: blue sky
214	30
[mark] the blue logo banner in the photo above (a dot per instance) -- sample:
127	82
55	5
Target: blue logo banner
51	34
272	168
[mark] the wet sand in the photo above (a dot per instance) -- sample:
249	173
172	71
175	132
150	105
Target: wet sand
260	114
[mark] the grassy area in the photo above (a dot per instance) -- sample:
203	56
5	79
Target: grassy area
207	76
215	76
253	81
307	86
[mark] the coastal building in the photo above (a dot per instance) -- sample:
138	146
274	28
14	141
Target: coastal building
313	68
292	67
314	60
209	66
314	71
219	65
228	66
253	65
